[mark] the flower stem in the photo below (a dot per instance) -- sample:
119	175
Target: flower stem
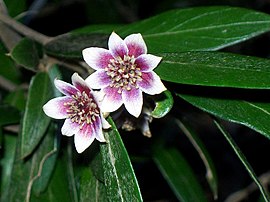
242	159
24	30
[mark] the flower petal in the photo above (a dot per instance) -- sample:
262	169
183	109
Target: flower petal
70	128
79	83
147	62
151	83
84	138
98	79
133	101
136	45
105	123
97	58
56	108
97	127
117	46
65	88
112	100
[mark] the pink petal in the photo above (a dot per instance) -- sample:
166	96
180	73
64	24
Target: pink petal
65	88
133	101
98	79
84	138
147	62
55	108
112	100
151	83
97	127
70	128
79	83
136	45
97	58
117	46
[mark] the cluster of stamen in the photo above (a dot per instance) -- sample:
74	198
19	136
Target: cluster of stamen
82	109
124	73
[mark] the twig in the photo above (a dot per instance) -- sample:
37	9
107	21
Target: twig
24	30
6	84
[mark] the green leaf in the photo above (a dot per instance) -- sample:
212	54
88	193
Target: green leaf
35	122
198	28
164	103
121	183
211	174
179	175
7	159
25	171
9	115
15	7
16	99
71	45
249	112
243	159
27	53
215	69
91	188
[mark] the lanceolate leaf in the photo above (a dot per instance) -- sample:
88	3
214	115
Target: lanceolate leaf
211	174
25	171
254	114
215	69
9	115
179	175
35	122
199	28
120	181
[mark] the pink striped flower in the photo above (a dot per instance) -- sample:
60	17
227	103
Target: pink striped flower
80	108
123	73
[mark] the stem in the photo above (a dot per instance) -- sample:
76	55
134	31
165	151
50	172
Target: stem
24	30
242	159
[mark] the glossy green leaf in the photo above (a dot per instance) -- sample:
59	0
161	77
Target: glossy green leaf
71	45
121	183
8	69
211	174
248	112
244	161
25	171
15	7
215	69
9	115
27	54
91	189
7	158
198	28
59	187
164	103
179	175
35	122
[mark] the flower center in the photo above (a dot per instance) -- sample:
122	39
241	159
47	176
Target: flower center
82	109
124	73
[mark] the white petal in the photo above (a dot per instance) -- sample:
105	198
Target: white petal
84	138
79	83
65	88
147	62
97	126
55	108
136	45
151	83
69	128
105	123
112	100
97	58
133	101
98	79
117	46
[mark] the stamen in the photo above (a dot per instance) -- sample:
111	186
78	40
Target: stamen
124	73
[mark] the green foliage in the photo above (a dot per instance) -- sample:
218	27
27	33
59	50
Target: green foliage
233	87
